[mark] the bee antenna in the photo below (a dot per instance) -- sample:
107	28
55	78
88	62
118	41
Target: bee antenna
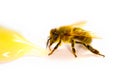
48	42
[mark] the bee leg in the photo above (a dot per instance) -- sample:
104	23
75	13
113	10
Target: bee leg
55	48
50	45
91	49
73	49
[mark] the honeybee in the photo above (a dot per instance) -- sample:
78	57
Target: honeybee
73	34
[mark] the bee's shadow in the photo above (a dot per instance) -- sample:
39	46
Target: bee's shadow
65	53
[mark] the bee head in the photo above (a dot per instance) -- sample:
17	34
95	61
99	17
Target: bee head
54	34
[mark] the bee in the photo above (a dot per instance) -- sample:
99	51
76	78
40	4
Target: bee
73	34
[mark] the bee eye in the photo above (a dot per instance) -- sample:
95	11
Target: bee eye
56	35
54	32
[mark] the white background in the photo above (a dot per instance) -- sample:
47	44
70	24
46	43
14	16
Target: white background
34	19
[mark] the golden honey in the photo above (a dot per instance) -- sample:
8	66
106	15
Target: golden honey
13	45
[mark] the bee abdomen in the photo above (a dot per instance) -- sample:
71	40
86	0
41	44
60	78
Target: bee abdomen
86	40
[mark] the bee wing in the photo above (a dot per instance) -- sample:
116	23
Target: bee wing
93	35
89	34
79	24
